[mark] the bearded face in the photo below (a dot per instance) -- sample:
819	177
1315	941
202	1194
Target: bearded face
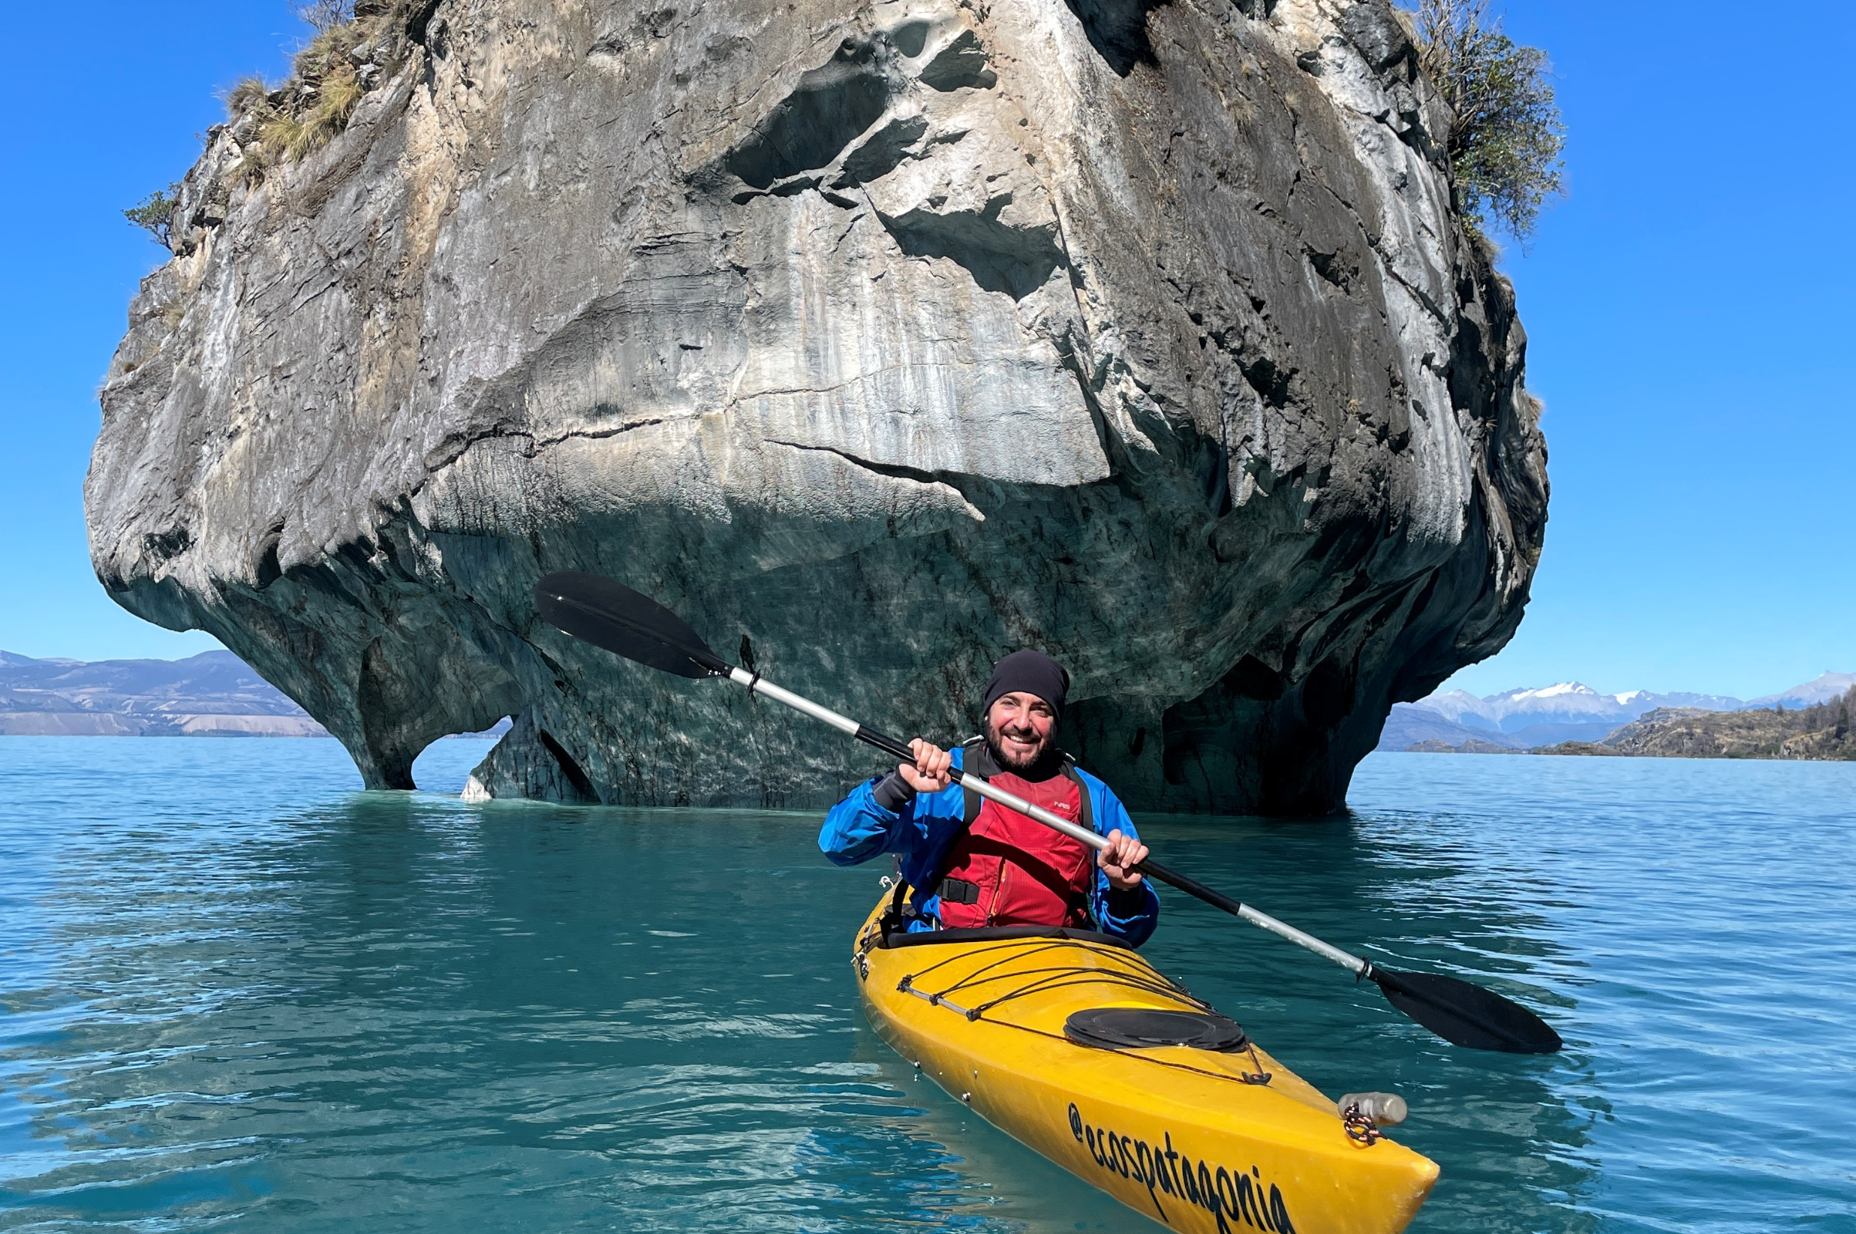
1019	731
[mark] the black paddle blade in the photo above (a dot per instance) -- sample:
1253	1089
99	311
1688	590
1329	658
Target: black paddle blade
613	616
1467	1015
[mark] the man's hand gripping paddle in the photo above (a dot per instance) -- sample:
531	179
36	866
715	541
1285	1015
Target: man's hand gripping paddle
622	621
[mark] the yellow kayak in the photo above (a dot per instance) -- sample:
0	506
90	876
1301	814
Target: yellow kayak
1072	1044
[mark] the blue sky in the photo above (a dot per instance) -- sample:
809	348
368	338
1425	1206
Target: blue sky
1689	306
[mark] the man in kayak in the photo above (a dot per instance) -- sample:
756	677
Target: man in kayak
973	862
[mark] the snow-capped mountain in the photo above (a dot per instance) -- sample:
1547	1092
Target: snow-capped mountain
1568	702
1566	711
1817	690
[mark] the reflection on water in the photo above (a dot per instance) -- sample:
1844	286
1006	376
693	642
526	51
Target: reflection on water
234	992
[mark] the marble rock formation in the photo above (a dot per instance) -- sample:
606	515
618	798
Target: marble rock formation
876	338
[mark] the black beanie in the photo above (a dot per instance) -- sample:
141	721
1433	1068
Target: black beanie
1031	672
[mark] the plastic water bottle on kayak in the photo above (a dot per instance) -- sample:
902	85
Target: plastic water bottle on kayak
1380	1109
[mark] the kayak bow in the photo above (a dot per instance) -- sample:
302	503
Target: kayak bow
1068	1041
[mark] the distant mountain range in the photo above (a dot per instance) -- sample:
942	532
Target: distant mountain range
213	694
1820	732
1817	690
1528	718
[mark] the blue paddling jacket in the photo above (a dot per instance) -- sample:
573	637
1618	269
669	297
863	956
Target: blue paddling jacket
923	828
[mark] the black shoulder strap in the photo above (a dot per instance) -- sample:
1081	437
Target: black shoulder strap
970	800
1087	808
892	918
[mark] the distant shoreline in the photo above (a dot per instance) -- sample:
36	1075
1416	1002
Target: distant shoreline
213	694
1819	733
1573	715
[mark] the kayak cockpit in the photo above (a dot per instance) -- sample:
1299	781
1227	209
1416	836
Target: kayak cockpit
994	934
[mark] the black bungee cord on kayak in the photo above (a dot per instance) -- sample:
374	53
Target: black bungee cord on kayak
1105	1028
1150	982
611	615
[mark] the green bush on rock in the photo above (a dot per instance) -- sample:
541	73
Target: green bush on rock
155	214
1506	135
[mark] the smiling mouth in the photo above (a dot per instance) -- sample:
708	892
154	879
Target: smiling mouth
1019	748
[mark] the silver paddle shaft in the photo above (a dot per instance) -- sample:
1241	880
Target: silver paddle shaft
757	684
1011	801
1282	929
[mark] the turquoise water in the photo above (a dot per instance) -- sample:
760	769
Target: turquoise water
235	993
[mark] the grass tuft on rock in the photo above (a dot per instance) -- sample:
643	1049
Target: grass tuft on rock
348	56
247	94
358	46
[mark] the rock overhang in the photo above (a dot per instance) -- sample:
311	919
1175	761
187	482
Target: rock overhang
878	339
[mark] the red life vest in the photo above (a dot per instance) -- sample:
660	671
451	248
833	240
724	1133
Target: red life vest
1007	870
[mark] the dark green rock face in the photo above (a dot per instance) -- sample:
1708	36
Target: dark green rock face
876	340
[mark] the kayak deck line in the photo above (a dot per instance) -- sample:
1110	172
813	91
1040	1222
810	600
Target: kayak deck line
1056	977
1257	1077
937	1000
1051	979
1140	978
1208	1138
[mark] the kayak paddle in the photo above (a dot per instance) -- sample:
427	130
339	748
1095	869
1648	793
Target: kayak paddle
613	616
